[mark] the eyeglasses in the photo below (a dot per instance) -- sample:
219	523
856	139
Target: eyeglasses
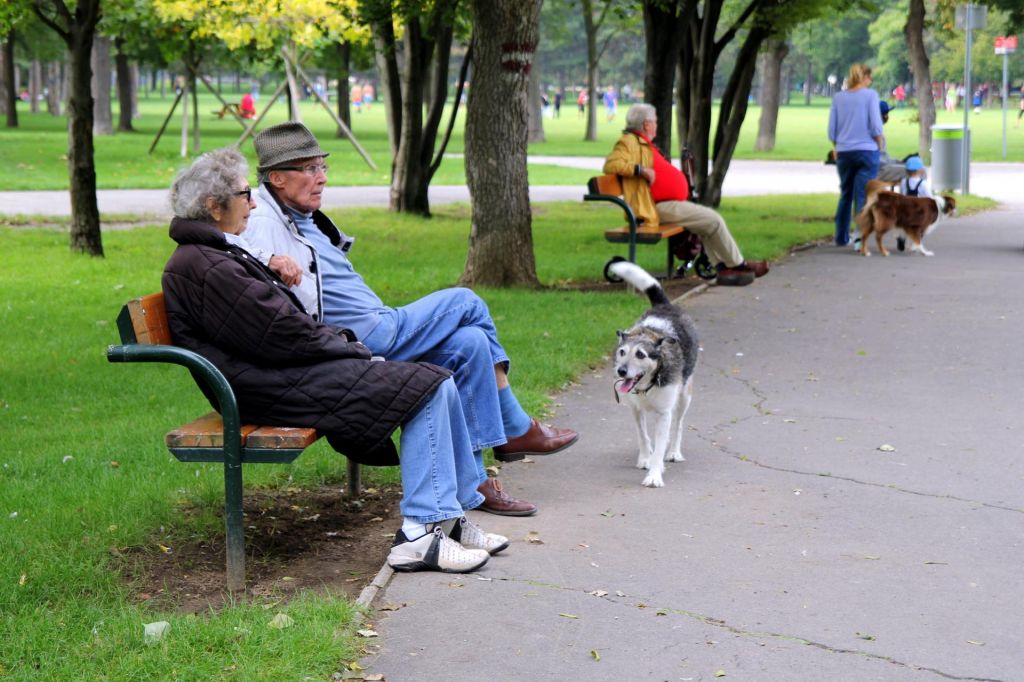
247	193
311	169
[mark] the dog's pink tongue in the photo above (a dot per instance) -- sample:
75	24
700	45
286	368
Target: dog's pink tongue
627	385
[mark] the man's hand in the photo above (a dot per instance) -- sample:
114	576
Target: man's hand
647	174
286	268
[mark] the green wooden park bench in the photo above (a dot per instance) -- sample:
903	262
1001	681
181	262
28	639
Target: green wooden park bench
214	437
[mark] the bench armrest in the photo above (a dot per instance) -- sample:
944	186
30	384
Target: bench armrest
630	217
202	369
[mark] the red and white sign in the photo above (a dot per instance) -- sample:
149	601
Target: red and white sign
1006	44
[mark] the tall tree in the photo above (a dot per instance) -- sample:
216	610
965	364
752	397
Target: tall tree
920	66
125	87
10	86
103	115
505	34
771	78
429	30
77	28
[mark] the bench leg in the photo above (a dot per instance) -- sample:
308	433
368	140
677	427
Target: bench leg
352	488
235	549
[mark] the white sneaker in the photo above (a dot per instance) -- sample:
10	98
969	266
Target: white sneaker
434	552
472	536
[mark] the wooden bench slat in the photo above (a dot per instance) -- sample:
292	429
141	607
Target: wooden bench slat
281	437
205	432
149	320
644	235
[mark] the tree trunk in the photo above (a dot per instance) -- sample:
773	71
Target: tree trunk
663	28
501	237
385	54
35	85
11	94
732	111
344	50
124	88
77	29
808	82
53	88
103	123
771	80
535	108
590	31
920	65
427	45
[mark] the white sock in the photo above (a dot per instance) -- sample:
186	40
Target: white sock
413	530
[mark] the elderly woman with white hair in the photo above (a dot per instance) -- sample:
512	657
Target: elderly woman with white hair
287	369
657	192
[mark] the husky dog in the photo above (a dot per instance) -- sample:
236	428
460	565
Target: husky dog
654	363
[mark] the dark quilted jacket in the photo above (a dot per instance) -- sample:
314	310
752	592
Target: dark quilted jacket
285	368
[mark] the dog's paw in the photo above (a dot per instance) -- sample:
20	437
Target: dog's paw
865	253
674	457
653	481
643	462
925	252
885	253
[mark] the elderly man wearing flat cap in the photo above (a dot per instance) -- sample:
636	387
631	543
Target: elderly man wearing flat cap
451	328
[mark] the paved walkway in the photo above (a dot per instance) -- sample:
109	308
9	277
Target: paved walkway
793	544
1000	181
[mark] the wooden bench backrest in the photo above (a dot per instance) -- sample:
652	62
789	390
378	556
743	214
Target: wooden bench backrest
149	319
605	184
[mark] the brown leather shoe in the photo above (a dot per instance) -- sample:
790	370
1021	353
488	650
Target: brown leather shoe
497	501
758	267
539	439
735	277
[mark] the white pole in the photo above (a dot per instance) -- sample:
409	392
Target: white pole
968	97
1006	96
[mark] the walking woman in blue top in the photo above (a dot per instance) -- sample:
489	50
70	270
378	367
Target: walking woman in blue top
855	129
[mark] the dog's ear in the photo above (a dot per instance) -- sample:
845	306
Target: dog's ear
621	334
665	339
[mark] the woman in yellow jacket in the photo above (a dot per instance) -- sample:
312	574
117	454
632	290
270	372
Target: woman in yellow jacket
657	192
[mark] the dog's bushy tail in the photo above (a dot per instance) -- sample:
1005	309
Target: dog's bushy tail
641	279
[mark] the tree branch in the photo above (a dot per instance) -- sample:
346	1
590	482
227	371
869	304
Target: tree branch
37	8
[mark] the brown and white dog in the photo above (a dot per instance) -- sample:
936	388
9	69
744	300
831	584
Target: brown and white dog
916	216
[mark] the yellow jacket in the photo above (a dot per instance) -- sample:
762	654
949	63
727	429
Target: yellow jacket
630	151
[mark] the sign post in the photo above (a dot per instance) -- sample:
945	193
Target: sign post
968	17
1005	45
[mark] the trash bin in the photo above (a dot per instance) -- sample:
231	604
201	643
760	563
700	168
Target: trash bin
947	156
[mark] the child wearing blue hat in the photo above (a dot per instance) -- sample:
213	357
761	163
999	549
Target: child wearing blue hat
916	182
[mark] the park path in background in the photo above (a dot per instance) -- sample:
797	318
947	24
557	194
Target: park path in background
1000	181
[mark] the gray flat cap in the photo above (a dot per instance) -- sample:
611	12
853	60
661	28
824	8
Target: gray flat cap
285	142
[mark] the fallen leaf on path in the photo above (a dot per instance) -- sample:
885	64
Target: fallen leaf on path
719	673
594	655
870	638
885	447
568	615
390	607
367	633
598	593
975	642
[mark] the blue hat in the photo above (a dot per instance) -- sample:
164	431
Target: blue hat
884	106
914	163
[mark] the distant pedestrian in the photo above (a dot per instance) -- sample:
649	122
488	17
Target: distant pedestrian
610	100
855	130
559	96
355	96
951	98
1020	113
581	102
368	96
900	95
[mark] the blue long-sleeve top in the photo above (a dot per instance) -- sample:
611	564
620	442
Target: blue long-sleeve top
854	121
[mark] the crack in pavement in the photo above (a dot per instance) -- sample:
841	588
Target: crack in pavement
721	427
724	625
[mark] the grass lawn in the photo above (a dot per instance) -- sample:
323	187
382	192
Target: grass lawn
33	155
86	478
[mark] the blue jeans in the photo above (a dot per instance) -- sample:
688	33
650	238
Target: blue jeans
855	169
439	472
451	328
